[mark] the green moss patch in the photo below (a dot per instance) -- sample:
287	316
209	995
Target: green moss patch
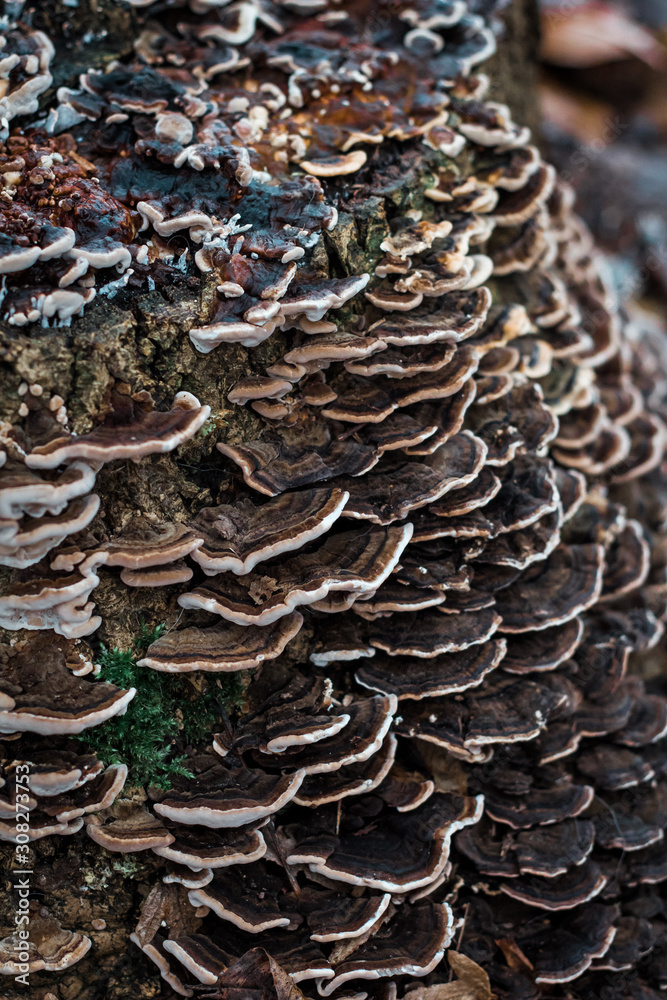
168	714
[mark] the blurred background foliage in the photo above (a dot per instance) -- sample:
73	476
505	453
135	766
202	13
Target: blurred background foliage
603	93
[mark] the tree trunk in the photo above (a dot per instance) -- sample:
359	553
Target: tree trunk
137	343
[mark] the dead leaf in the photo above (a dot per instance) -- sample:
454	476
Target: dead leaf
472	983
595	33
343	949
168	903
514	957
257	972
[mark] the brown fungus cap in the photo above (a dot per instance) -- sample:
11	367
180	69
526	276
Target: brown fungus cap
336	916
547	851
504	711
55	771
572	579
220	648
255	973
226	794
339	640
459	316
158	576
402	430
428	678
339	345
294	715
99	793
128	432
202	848
207	956
258	387
142	545
29	539
572	946
51	948
412	943
405	790
449	416
375	860
43	696
544	650
540	806
127	827
251	897
43	597
275	465
237	537
433	633
372	402
376	498
560	892
357	778
183	875
357	561
369	721
24	492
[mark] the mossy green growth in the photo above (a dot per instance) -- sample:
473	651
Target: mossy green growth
167	714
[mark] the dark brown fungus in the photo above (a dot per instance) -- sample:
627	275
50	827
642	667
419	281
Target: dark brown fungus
374	860
128	432
543	650
356	778
461	737
356	561
226	794
201	848
220	648
274	465
127	827
571	581
442	675
142	545
51	948
237	537
41	695
411	944
433	633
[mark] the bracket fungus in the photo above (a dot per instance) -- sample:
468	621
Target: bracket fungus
417	507
40	694
50	948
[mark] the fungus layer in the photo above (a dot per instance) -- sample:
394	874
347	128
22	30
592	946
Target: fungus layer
432	532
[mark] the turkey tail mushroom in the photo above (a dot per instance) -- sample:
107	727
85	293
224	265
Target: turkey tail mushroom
418	514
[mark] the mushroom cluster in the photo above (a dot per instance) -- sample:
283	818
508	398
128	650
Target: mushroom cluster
441	550
47	690
46	504
25	57
339	886
60	227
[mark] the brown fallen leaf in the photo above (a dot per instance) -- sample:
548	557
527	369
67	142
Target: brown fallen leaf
255	975
169	904
595	33
514	957
472	982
